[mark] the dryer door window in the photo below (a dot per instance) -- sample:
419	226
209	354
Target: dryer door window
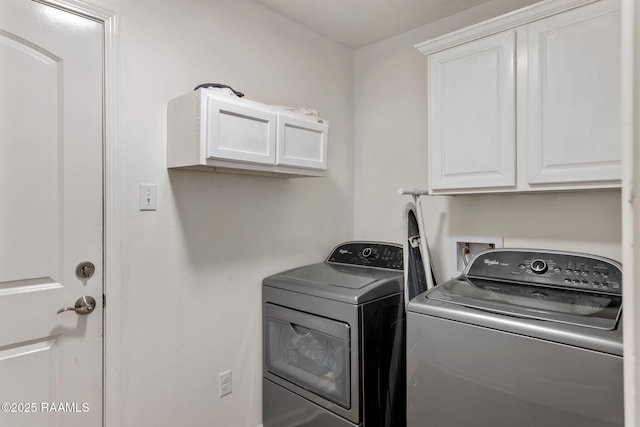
309	351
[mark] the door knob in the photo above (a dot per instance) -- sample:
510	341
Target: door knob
84	305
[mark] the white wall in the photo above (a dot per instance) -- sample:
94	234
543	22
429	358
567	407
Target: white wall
391	152
192	270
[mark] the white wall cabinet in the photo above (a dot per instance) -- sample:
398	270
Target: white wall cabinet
526	102
214	132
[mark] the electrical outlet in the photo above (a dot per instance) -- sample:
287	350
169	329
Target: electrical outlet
225	383
463	248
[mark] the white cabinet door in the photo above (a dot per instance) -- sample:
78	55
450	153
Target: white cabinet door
234	131
301	142
574	96
472	134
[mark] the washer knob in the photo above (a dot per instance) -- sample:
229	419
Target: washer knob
538	266
366	252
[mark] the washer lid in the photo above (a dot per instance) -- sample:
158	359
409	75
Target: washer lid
582	308
565	287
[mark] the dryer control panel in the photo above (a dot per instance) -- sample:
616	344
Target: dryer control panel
368	254
550	268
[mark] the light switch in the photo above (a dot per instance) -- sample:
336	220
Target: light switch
147	197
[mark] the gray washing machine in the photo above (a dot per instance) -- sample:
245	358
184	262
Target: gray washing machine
334	340
522	338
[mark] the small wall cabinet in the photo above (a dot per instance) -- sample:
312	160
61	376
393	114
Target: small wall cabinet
528	101
214	132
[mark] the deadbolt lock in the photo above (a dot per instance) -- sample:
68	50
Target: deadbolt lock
85	270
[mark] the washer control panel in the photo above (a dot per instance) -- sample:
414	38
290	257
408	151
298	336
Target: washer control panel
368	254
561	269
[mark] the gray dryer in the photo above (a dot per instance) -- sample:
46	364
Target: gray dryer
334	340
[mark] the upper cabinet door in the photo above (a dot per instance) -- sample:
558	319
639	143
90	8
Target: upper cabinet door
302	142
574	96
472	134
239	132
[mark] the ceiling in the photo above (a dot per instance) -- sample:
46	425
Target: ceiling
359	23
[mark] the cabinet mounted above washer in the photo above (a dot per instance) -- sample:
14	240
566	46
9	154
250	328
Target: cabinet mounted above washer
528	101
214	132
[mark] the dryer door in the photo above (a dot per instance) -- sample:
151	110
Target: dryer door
309	351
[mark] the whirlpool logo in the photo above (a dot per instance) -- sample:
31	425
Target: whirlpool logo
491	262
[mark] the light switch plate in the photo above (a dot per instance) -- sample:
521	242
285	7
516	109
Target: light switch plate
147	197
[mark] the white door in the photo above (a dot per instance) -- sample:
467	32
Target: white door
51	211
